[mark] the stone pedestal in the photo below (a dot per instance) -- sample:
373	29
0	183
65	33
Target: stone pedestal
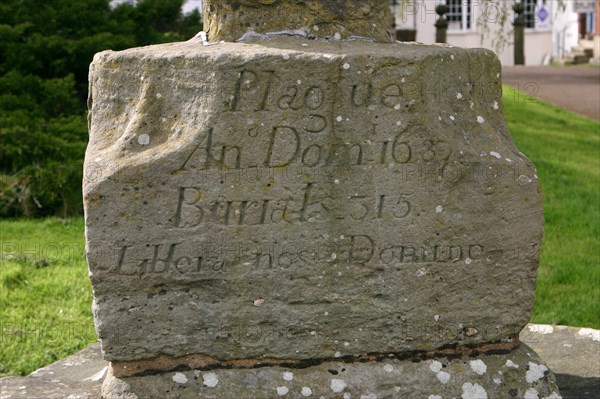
331	197
313	204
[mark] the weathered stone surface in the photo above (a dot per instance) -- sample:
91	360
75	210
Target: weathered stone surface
574	353
518	374
299	199
76	377
230	19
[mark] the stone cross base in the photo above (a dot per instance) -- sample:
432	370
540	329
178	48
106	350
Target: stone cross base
515	374
317	201
299	199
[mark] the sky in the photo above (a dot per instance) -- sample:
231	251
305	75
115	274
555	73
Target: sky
189	5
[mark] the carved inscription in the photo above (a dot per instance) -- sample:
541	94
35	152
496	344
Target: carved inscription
264	90
307	132
335	192
310	135
285	146
193	210
358	250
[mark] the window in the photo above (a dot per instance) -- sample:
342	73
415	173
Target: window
459	14
537	15
529	14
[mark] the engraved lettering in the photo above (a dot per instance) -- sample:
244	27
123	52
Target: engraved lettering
187	208
315	124
361	212
314	97
279	144
156	264
248	77
248	87
400	150
121	261
265	97
367	94
402	208
391	95
311	156
286	101
362	248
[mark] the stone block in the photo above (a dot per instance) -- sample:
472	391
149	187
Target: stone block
294	199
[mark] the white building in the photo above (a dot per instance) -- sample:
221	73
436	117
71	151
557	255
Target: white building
553	27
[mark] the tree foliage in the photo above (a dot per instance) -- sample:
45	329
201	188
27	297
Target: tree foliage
46	47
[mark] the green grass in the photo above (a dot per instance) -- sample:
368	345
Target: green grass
45	294
565	149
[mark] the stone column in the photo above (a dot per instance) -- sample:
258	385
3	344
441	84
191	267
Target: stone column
229	19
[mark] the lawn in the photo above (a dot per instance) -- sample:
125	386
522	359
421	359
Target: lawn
565	149
45	294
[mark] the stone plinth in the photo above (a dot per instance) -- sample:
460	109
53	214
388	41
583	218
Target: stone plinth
291	200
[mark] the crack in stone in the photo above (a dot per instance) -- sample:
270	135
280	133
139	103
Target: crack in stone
165	363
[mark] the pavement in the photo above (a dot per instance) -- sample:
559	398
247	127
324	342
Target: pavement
575	88
573	355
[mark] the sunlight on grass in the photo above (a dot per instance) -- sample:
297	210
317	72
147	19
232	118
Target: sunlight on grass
565	150
45	294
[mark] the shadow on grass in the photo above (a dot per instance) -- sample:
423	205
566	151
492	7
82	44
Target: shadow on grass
576	387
